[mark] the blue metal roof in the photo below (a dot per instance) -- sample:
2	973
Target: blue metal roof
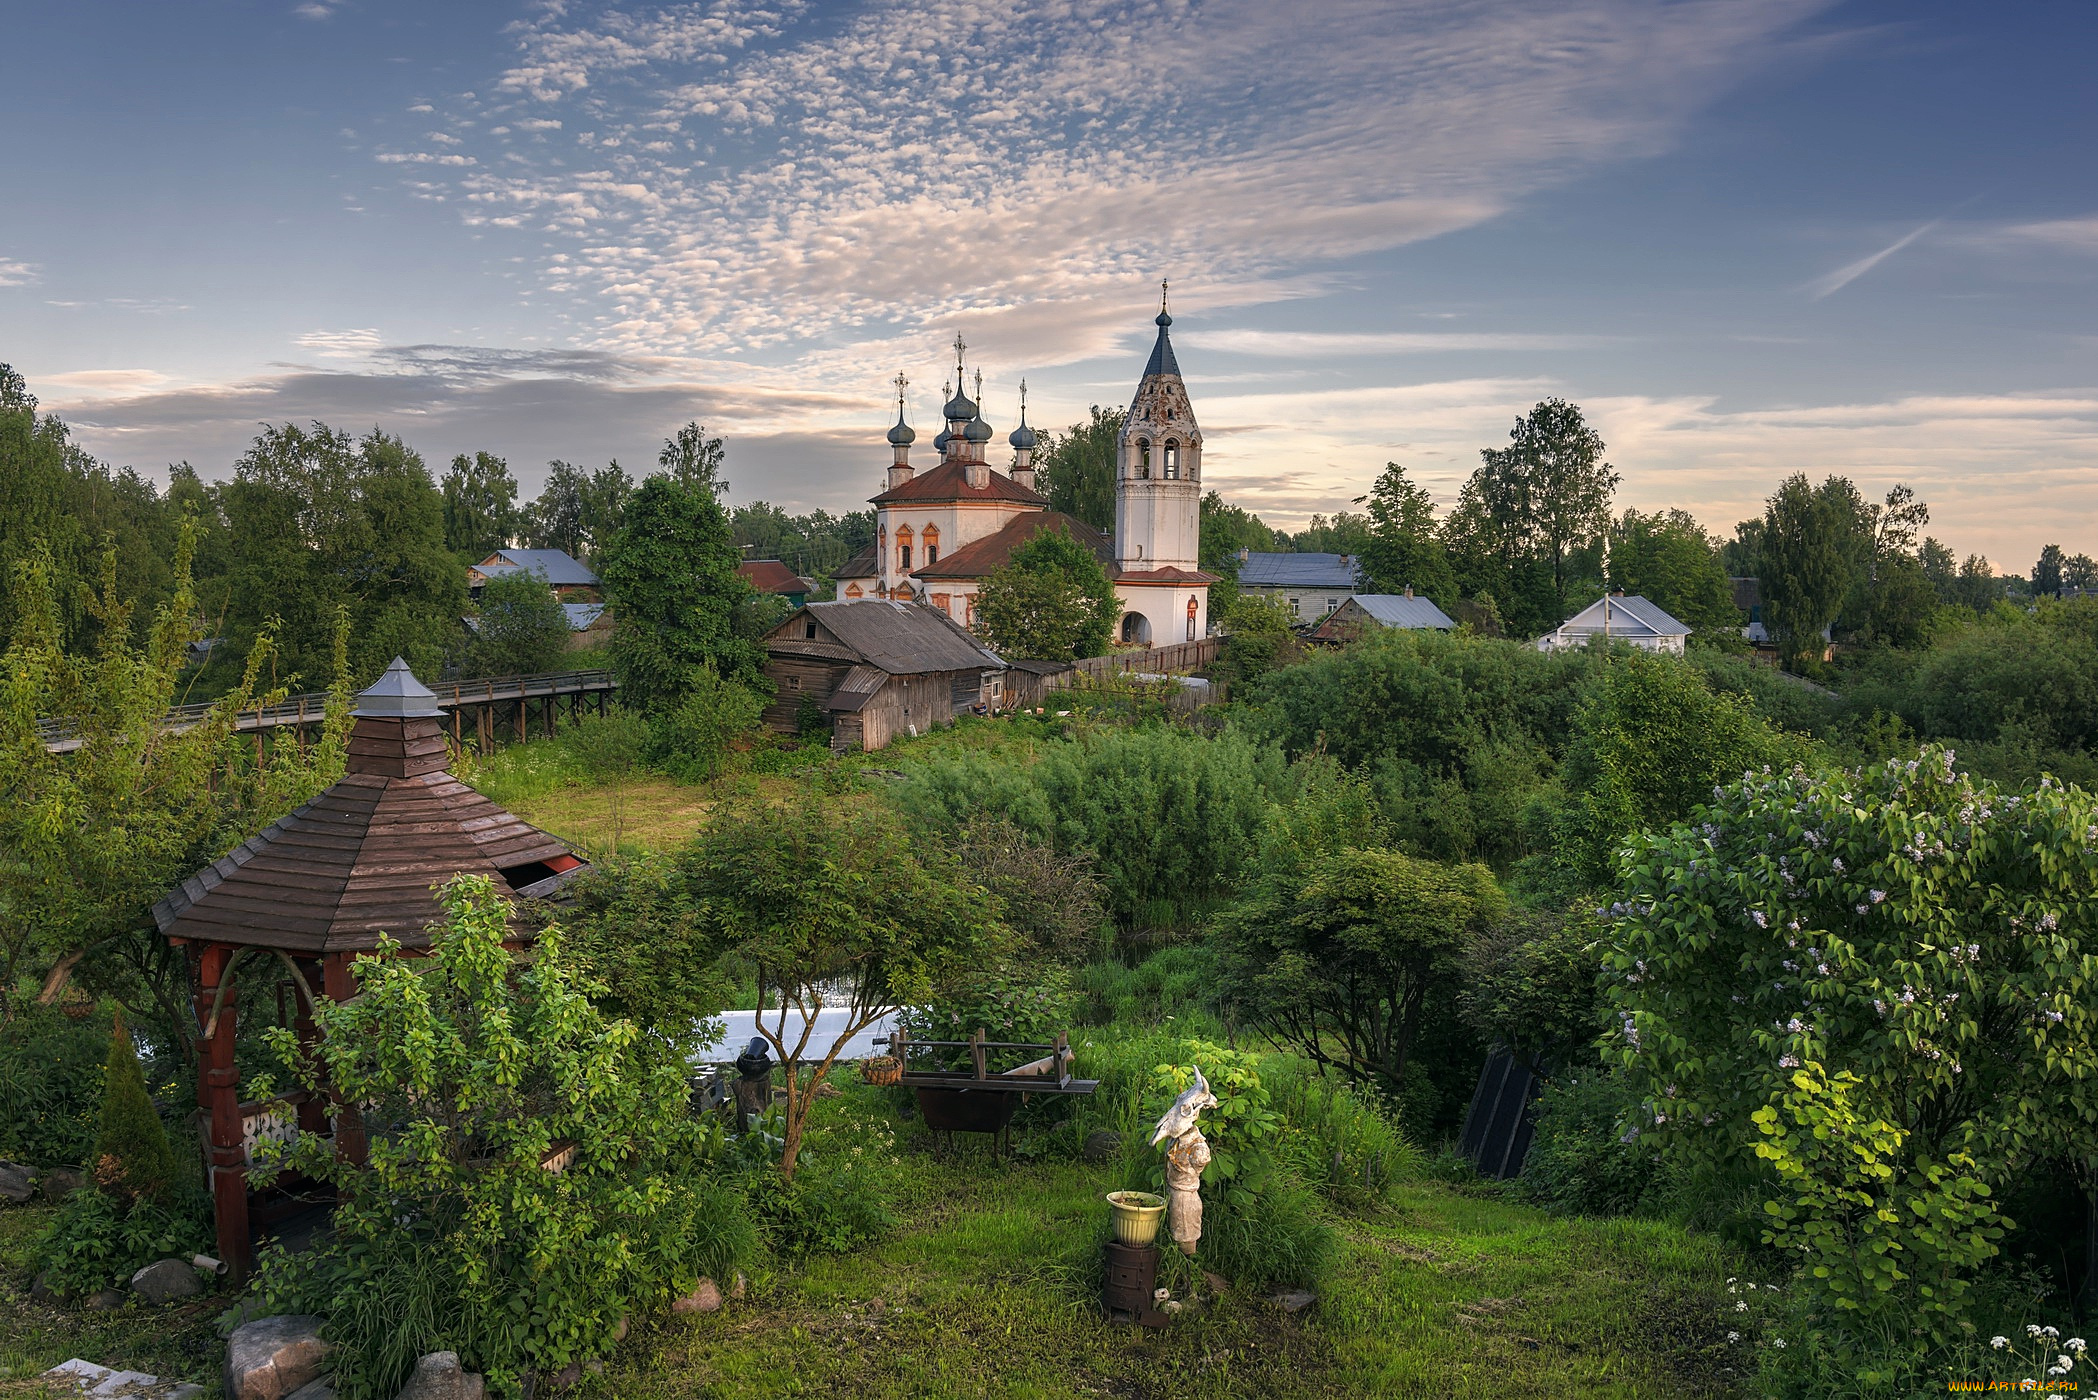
1398	610
581	615
1299	571
1623	617
556	566
1162	361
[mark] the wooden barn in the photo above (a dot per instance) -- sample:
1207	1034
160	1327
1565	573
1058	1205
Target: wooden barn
277	923
876	669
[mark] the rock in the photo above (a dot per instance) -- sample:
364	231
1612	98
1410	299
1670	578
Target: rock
17	1182
742	1286
271	1357
231	1319
619	1332
44	1288
705	1298
59	1183
164	1281
186	1391
474	1386
1294	1301
1218	1284
567	1376
438	1376
108	1300
322	1389
1103	1146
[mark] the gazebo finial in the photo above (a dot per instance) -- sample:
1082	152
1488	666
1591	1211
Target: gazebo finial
397	694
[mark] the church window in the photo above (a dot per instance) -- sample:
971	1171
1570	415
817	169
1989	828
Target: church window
1172	461
1143	459
852	590
903	549
931	540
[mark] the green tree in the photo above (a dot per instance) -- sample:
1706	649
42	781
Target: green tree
1810	548
132	1155
1404	551
670	577
1342	947
473	1070
1345	533
1533	506
480	505
1875	987
520	629
1051	601
2047	573
561	516
1259	635
1668	558
408	593
1076	468
2080	571
814	904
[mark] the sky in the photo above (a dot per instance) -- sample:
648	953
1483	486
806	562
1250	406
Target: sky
1748	237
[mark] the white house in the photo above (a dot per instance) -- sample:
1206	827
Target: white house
1309	585
1616	618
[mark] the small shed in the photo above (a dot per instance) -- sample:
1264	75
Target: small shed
290	909
876	669
1616	618
1028	683
1373	612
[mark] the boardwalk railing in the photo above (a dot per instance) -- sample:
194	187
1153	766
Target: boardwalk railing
295	711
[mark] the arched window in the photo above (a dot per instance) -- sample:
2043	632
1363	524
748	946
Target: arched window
903	549
1143	459
1172	460
931	540
1191	610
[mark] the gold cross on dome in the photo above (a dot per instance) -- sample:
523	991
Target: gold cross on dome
959	346
1163	284
901	384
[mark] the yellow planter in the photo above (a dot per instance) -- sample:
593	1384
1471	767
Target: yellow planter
1137	1214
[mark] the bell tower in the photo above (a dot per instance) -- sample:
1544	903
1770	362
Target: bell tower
1158	469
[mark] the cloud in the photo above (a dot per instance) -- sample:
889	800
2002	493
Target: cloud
2068	235
19	274
106	381
1843	276
314	10
1327	344
764	177
336	344
420	158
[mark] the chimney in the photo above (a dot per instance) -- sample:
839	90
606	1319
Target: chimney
397	734
1409	590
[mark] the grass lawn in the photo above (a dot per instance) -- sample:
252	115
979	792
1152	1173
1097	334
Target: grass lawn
981	1292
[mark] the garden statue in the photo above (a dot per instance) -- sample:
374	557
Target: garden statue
754	1084
1186	1156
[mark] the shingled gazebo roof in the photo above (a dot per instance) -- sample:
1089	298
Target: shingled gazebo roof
363	858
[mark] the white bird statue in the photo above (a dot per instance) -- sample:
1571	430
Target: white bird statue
1180	1118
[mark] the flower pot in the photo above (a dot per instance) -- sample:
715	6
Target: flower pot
1137	1214
881	1070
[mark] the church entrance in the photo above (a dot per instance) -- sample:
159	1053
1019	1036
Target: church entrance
1136	630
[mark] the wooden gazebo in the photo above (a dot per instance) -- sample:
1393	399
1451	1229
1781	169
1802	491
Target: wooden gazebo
298	903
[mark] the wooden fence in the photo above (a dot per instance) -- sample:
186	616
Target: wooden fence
1166	660
513	697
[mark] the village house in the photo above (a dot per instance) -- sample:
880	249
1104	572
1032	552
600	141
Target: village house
1373	612
772	576
940	534
572	581
874	669
1617	618
1310	585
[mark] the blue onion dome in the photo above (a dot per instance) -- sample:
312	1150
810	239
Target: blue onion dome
939	444
1023	438
1161	319
976	430
960	408
903	434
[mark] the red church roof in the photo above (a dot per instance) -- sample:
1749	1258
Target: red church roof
771	576
980	557
949	481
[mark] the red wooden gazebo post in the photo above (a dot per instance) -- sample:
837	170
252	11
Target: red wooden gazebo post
218	1094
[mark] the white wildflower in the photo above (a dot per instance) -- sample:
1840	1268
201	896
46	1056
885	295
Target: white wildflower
1999	1342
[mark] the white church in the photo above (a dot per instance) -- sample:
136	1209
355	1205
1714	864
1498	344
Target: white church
940	533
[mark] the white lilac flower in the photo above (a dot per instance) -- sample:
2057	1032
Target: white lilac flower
1876	895
1879	1006
1795	1025
1756	917
1838	863
1863	908
1788	1062
1821	968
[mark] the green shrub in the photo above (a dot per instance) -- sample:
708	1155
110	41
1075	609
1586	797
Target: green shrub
1170	983
454	1235
98	1238
133	1158
50	1085
1580	1160
694	739
1029	1005
1337	1137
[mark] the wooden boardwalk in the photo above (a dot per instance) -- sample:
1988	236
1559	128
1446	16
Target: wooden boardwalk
498	702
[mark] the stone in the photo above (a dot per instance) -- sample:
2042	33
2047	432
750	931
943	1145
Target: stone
1218	1284
187	1391
568	1376
271	1357
474	1386
1294	1301
17	1182
44	1288
59	1182
1102	1146
438	1376
86	1378
166	1280
108	1300
705	1298
322	1389
619	1332
742	1286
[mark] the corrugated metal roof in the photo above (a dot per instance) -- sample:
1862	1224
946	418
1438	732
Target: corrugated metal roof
1299	571
1398	610
858	687
556	566
903	639
581	615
